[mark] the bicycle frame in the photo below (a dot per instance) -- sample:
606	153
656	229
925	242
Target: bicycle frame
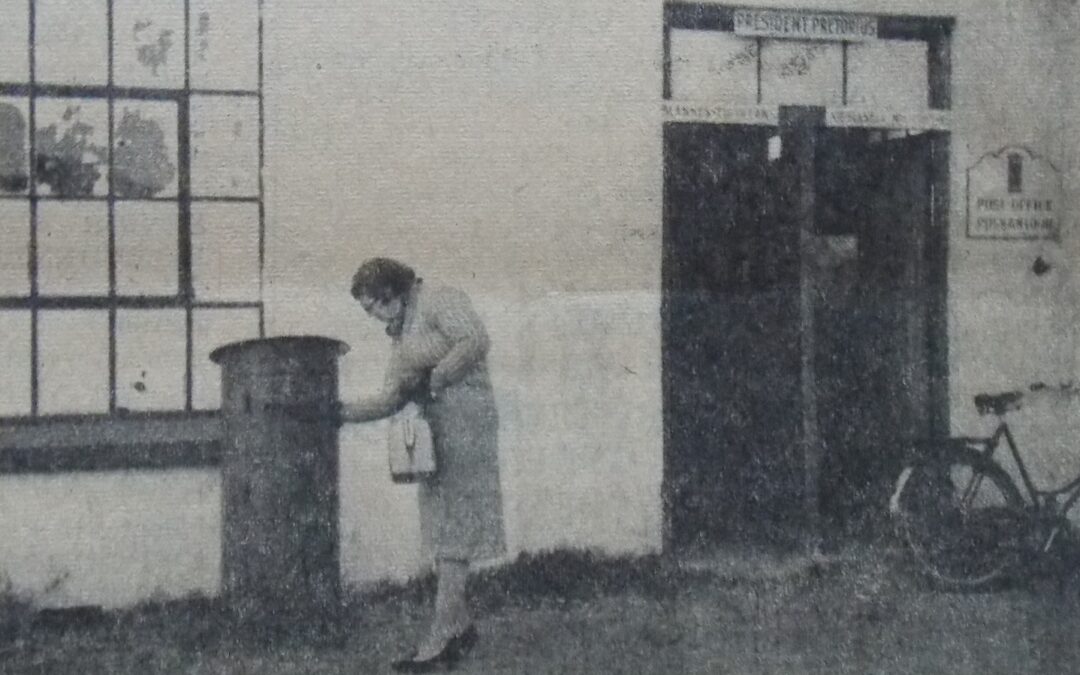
1044	502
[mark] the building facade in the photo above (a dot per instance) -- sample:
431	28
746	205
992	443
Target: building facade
726	254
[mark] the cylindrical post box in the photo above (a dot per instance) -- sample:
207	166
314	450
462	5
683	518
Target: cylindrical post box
279	477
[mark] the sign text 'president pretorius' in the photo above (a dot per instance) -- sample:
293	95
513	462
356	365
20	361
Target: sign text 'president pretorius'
805	25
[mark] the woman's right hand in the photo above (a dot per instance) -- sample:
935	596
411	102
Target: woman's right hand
311	413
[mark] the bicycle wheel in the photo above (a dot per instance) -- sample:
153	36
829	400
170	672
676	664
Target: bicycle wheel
962	518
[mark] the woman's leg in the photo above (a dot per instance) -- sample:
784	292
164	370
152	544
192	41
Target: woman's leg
451	606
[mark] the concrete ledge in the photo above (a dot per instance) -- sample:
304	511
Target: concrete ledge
102	443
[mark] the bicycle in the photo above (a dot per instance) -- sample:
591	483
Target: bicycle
963	517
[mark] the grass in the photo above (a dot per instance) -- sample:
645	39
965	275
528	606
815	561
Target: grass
581	612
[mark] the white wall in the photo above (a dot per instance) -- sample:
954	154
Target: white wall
514	151
1009	327
113	538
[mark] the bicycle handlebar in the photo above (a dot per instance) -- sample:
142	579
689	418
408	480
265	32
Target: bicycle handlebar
998	404
1001	403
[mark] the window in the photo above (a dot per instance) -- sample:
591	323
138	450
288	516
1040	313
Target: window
15	351
888	74
710	65
71	41
719	66
131	213
719	55
798	72
14	248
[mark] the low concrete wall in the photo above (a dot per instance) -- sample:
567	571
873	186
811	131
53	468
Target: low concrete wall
581	466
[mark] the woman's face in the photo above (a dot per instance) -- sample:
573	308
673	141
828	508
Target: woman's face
383	310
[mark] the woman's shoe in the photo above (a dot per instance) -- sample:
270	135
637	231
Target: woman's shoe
412	665
435	664
455	648
466	640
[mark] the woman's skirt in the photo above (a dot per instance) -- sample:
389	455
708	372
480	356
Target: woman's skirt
461	510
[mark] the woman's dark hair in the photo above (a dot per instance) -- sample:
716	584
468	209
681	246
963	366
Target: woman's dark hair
382	279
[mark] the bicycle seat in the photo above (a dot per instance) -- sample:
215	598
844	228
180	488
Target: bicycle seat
998	404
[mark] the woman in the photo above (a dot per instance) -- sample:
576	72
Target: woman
438	358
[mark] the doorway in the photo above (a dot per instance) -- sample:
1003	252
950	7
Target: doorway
803	323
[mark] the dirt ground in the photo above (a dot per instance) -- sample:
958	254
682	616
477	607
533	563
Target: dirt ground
864	613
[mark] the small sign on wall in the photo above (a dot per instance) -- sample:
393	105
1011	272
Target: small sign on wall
1013	193
721	114
878	118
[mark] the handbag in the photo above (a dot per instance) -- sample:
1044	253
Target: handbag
412	452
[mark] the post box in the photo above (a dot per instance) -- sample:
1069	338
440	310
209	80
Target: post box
280	548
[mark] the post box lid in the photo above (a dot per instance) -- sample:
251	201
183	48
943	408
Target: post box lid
290	343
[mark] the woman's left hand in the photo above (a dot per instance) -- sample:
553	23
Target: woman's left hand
436	385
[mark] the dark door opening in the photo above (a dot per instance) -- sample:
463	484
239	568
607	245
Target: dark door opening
878	275
803	317
731	333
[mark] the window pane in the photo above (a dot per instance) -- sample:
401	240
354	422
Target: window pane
14	247
146	248
148	49
14	145
15	355
72	145
145	153
73	367
71	41
888	74
224	146
711	65
225	251
212	328
73	248
795	72
225	44
15	41
151	359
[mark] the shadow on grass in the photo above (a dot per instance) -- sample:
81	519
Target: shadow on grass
198	623
560	577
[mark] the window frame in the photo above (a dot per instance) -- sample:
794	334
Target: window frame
185	298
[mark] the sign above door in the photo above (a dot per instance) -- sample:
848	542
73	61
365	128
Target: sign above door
805	25
769	115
